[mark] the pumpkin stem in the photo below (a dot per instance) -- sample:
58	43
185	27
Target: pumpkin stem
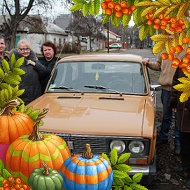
7	110
46	170
36	135
87	154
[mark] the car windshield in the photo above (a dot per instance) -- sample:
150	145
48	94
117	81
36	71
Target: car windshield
99	77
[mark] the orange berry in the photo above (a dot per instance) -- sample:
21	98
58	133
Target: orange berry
25	186
111	5
108	11
10	179
6	185
132	7
180	22
157	21
7	188
163	27
178	29
188	50
104	5
18	180
21	188
5	181
125	11
150	22
171	28
174	25
114	10
17	186
164	56
188	68
129	12
108	1
167	18
161	16
118	14
173	20
12	188
117	7
175	62
147	16
170	56
172	49
123	4
179	48
156	27
188	55
163	22
1	188
183	26
185	59
150	15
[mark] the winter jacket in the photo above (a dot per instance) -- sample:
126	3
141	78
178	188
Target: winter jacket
183	109
31	79
49	65
167	72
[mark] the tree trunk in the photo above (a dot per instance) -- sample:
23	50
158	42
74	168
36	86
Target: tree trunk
13	38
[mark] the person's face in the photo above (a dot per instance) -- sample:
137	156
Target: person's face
2	45
48	52
24	49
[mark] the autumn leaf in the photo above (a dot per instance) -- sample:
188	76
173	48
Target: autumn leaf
182	10
159	37
158	47
147	3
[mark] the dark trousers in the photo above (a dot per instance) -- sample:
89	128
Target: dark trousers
185	150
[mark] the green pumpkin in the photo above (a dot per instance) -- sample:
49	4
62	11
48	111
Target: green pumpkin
45	179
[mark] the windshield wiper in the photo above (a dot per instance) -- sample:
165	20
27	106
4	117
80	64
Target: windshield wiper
66	88
102	88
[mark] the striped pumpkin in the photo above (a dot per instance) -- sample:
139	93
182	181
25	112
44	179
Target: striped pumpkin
87	172
29	151
13	124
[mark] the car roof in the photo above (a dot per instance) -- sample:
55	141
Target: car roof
103	57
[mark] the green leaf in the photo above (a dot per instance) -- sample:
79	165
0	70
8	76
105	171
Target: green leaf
117	21
18	71
2	74
6	94
106	157
1	166
125	20
28	110
1	181
127	188
3	85
151	30
113	156
11	79
85	9
76	7
124	157
105	19
13	61
19	62
138	187
15	90
33	115
21	108
143	32
91	7
118	181
137	177
5	66
119	174
6	174
96	6
127	180
113	19
123	167
10	91
78	1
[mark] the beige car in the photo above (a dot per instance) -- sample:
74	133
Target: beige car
105	100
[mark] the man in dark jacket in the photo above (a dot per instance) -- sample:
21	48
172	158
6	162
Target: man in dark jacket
49	59
34	72
183	114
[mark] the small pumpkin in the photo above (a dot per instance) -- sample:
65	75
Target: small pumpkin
29	151
13	124
45	179
87	171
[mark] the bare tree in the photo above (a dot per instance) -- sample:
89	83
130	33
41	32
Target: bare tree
14	11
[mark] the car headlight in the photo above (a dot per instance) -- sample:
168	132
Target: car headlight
119	146
136	147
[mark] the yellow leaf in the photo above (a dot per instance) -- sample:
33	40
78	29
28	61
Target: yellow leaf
147	3
185	20
158	47
184	97
159	37
172	8
176	1
147	10
164	2
181	36
167	46
175	40
169	31
184	80
187	74
182	10
159	11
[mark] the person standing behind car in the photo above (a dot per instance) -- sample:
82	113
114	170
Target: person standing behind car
165	80
183	114
34	70
49	59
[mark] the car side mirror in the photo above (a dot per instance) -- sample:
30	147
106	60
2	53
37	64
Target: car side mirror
155	87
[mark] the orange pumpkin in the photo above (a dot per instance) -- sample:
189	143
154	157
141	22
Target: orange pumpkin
13	124
29	151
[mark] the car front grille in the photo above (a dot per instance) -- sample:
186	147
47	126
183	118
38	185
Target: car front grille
98	144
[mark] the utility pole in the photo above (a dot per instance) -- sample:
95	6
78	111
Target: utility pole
108	33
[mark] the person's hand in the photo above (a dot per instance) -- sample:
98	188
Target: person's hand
31	62
146	61
174	109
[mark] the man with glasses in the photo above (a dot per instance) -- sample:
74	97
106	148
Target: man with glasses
34	71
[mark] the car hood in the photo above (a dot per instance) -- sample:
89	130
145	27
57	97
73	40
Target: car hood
93	114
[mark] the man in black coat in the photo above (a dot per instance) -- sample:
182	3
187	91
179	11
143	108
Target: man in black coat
34	72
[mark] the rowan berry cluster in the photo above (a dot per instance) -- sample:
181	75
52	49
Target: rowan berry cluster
184	63
162	21
111	7
14	184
